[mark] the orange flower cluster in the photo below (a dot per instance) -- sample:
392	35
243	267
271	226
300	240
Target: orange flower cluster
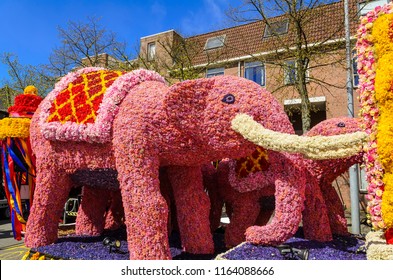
258	161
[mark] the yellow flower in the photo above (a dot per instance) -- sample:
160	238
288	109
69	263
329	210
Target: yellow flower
14	127
381	224
387	208
35	256
26	256
381	34
383	47
30	90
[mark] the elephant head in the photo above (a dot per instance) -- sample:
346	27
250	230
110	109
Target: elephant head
203	110
227	113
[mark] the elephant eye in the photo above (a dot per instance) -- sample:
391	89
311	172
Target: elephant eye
229	98
341	124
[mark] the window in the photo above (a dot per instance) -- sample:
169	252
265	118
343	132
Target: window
363	186
290	72
151	51
293	109
214	72
215	42
367	6
276	28
255	71
355	74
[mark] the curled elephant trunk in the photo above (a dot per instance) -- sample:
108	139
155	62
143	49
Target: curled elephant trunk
316	147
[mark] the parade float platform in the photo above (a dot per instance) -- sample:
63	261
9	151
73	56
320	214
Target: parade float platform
72	247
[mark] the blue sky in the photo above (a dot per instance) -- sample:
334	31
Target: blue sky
28	28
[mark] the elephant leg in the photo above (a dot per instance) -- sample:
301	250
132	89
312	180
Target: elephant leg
192	206
316	224
167	193
52	189
91	213
289	201
245	209
114	217
145	209
338	222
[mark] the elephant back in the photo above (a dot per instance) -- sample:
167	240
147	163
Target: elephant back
83	104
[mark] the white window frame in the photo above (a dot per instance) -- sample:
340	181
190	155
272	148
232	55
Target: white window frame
273	25
217	41
363	184
212	72
254	64
286	74
367	5
319	101
151	51
355	70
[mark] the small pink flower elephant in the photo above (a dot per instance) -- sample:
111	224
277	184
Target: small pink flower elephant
320	209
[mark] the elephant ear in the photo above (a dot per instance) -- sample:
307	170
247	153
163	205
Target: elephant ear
186	102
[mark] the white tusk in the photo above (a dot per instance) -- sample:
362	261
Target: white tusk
316	147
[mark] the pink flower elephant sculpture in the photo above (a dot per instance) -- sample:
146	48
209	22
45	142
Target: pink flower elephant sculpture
324	213
321	208
133	123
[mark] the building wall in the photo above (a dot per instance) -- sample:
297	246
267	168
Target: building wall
333	89
163	42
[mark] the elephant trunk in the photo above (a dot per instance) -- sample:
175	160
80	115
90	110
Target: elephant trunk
289	179
316	147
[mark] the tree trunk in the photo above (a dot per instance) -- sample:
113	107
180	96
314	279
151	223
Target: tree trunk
305	108
301	87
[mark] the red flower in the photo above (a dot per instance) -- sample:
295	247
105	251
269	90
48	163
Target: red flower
25	103
389	236
96	102
65	111
80	99
63	97
82	113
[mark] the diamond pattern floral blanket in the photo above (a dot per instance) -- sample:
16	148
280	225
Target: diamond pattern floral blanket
83	104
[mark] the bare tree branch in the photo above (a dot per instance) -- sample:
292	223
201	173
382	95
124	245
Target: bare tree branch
296	44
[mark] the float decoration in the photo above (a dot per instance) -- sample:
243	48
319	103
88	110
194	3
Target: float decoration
78	110
17	159
375	54
142	125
